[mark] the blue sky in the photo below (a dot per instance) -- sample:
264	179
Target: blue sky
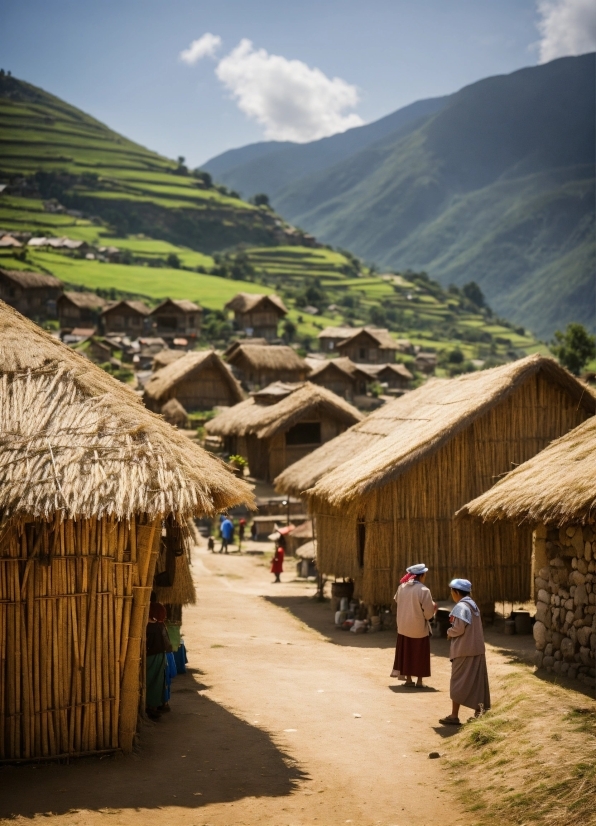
119	60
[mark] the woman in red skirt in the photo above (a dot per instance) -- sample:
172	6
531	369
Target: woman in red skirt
415	607
277	564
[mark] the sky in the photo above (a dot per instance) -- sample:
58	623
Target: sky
195	78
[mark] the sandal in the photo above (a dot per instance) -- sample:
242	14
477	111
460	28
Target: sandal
450	721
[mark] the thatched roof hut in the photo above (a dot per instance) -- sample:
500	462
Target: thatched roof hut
555	487
555	494
280	425
199	380
32	293
87	475
174	413
337	375
443	443
165	357
259	365
257	314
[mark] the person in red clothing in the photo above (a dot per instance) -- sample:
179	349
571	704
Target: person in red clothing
277	564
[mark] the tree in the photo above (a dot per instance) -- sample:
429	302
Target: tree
289	330
261	200
473	293
173	261
574	348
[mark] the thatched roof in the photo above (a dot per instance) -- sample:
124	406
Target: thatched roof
306	472
231	348
556	486
165	357
268	357
182	304
426	418
85	301
379	336
76	441
344	365
399	369
264	421
174	412
194	362
308	550
29	280
247	302
338	332
135	306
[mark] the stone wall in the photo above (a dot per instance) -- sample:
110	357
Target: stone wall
565	592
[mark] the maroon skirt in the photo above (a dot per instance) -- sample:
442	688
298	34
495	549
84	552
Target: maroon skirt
412	657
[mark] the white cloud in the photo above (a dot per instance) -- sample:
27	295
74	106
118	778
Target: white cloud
567	27
291	100
205	46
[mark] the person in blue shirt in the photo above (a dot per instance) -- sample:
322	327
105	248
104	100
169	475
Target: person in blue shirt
227	534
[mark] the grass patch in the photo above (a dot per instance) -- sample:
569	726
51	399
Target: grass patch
531	759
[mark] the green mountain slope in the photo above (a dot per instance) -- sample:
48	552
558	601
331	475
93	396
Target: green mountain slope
271	166
497	186
49	147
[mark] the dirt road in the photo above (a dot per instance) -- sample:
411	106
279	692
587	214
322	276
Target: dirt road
281	720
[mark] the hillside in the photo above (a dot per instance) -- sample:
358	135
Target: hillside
497	186
271	166
55	151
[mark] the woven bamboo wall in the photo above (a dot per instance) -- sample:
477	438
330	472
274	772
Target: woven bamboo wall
74	599
411	519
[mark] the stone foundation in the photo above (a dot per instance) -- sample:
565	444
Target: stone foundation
565	592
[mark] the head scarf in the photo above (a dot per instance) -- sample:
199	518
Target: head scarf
157	612
413	571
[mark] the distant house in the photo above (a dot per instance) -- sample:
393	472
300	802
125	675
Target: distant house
330	337
33	294
165	357
426	363
257	315
394	376
231	348
259	365
369	346
337	375
176	319
274	429
125	318
174	413
198	381
79	309
9	241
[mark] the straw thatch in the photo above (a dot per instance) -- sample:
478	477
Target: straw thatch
306	472
174	413
231	348
249	302
427	418
182	304
265	421
74	440
165	357
29	280
126	306
189	368
271	357
393	503
380	336
308	550
84	300
555	487
344	365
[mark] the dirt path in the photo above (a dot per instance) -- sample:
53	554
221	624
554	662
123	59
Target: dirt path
281	720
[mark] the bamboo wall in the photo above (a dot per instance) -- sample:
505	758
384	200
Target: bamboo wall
203	391
74	600
411	519
282	455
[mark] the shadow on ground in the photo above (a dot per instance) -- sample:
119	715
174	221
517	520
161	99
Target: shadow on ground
196	755
318	616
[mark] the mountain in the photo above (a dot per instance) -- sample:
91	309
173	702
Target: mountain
271	166
56	151
497	186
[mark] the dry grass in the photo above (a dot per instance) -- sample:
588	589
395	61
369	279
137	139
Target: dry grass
267	357
531	759
427	418
73	440
264	421
556	486
190	365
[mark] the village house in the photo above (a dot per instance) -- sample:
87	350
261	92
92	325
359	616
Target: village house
394	377
164	357
330	337
412	464
34	294
369	346
198	381
231	348
426	363
82	530
125	318
257	315
337	375
278	426
259	365
79	309
176	319
553	494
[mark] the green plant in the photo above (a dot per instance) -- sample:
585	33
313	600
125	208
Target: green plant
574	348
238	461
